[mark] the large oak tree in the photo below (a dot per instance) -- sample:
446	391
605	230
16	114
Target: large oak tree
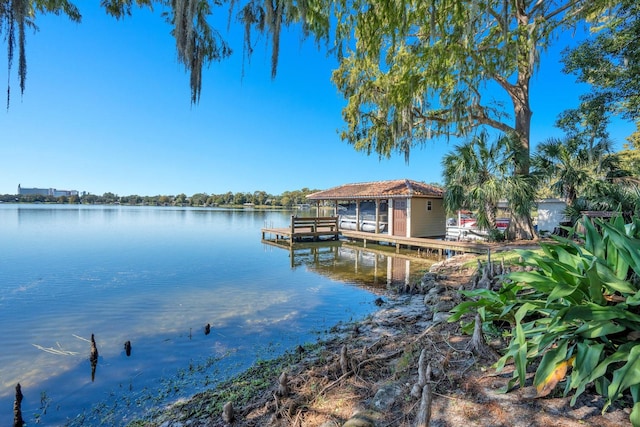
418	70
413	71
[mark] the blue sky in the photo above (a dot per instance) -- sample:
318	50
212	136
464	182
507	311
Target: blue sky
107	108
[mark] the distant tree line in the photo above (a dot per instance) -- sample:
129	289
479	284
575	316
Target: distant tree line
287	199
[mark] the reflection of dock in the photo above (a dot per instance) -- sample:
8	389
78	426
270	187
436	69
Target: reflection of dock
369	268
306	253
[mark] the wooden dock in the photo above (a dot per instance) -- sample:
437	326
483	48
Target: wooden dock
304	229
326	228
438	246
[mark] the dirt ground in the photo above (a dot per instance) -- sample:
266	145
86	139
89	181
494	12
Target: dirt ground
365	374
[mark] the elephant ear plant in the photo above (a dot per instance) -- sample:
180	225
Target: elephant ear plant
575	313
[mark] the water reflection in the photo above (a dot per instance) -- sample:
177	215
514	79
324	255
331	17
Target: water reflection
373	269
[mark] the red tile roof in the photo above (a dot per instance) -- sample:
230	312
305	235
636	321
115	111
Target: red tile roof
379	189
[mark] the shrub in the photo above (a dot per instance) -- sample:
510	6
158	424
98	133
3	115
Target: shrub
576	313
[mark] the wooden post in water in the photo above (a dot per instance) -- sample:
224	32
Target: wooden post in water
93	358
17	408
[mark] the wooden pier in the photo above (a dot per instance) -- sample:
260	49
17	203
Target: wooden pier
438	246
304	228
326	228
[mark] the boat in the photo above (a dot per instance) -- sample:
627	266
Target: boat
366	220
465	227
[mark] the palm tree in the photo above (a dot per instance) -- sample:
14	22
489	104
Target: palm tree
572	166
475	174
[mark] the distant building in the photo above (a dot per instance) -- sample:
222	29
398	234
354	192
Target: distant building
46	192
551	214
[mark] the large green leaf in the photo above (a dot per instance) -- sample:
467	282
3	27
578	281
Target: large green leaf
569	259
588	355
612	282
626	376
521	354
634	299
596	329
635	415
594	241
620	355
628	247
614	259
595	285
589	312
533	279
564	289
635	412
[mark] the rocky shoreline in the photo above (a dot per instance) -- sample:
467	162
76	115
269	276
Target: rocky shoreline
372	373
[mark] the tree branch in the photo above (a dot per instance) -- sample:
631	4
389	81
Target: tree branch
561	9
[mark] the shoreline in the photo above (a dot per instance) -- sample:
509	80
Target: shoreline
363	375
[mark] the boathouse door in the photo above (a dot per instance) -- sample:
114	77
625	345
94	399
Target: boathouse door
400	217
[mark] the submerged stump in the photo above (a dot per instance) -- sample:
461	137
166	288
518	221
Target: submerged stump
17	408
93	357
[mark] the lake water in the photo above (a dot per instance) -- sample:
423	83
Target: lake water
156	277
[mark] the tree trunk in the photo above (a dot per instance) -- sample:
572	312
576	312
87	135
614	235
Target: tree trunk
521	226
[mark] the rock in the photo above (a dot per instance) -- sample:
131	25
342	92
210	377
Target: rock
362	419
436	290
441	316
442	306
433	296
386	397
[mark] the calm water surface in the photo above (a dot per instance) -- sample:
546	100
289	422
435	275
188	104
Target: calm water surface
156	276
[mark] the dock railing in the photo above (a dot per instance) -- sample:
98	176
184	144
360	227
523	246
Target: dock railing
314	226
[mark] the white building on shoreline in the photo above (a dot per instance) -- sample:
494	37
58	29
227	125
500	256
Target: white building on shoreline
46	192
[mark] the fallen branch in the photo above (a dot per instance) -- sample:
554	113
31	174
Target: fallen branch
57	351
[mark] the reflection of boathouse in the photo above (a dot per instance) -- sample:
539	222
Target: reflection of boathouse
371	269
400	207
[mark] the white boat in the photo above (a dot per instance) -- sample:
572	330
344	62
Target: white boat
466	228
366	220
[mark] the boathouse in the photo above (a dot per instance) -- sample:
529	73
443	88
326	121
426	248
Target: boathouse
402	207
